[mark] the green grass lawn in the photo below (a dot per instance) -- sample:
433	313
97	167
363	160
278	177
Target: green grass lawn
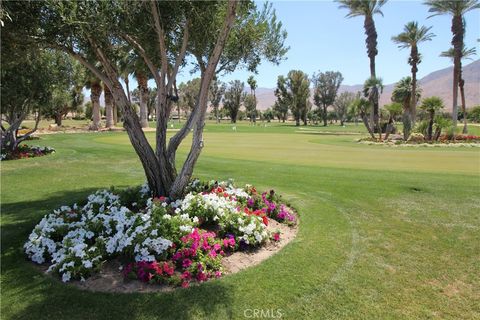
385	233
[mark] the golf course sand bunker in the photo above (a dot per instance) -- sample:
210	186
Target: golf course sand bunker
110	278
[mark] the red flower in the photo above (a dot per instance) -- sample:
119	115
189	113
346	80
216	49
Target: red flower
168	269
265	220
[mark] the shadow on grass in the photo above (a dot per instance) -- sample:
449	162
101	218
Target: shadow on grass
29	294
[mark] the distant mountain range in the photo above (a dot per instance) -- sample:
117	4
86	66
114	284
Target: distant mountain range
437	83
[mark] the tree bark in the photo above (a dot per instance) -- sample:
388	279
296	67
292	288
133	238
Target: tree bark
371	42
457	42
324	115
464	104
95	92
127	86
389	128
108	107
143	92
407	124
367	124
430	126
58	119
115	113
414	59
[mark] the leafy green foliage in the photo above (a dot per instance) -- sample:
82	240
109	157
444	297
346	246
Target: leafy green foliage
293	91
325	86
233	99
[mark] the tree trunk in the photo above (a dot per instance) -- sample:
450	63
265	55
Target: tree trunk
414	59
464	105
115	112
95	92
324	115
457	42
128	88
371	42
430	126
143	91
407	124
367	125
389	128
438	131
376	119
108	107
58	119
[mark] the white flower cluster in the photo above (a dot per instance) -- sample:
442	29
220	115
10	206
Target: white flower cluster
210	206
237	193
248	228
76	240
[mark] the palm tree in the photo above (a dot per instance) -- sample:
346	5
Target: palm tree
394	109
455	8
402	93
360	106
95	86
372	88
431	105
132	63
108	107
142	81
366	8
466	54
253	86
411	36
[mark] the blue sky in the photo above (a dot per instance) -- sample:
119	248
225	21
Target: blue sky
322	39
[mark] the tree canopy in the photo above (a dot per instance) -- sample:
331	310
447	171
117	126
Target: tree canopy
217	36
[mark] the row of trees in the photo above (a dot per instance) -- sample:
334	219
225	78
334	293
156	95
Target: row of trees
293	93
412	35
231	96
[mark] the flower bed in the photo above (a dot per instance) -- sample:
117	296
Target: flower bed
157	240
26	151
418	140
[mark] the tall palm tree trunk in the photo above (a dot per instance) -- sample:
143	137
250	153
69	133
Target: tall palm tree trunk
457	42
414	59
143	91
108	107
95	92
464	104
371	43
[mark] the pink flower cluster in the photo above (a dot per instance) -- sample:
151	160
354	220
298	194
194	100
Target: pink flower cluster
200	255
283	214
